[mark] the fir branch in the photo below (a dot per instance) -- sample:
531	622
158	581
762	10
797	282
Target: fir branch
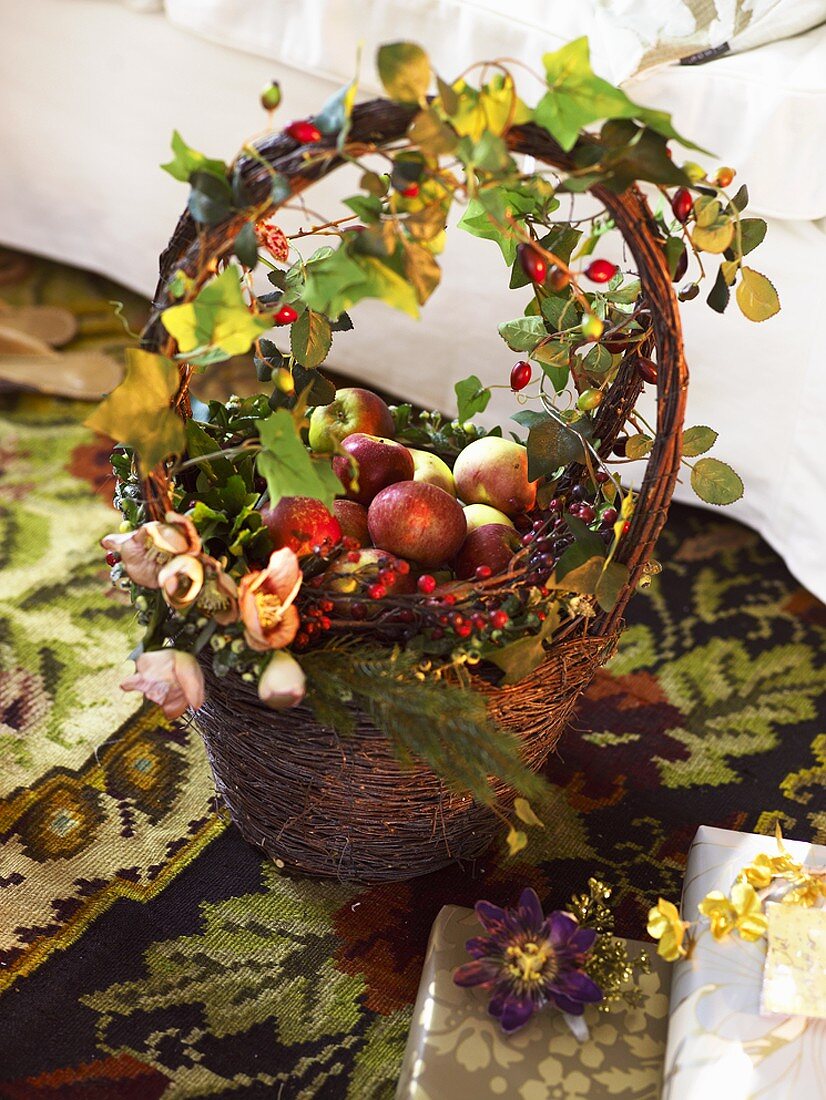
428	720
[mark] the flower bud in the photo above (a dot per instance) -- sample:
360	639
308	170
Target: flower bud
282	682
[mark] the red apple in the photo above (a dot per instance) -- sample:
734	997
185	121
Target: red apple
418	521
494	471
493	545
381	462
353	410
301	523
352	519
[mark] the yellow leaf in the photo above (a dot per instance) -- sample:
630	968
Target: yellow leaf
218	322
756	296
138	412
522	809
517	840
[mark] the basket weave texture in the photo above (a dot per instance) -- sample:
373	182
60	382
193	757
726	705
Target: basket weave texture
344	807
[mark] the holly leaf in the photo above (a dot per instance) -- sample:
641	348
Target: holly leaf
217	324
187	160
756	296
287	466
696	441
716	482
138	411
404	70
310	338
524	333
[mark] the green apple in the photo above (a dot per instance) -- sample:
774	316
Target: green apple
353	410
480	515
433	470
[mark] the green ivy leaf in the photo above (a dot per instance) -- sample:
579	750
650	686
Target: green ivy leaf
187	160
404	70
487	216
613	579
520	658
716	482
471	397
756	296
217	324
310	338
577	97
551	445
210	198
523	334
138	411
698	440
288	467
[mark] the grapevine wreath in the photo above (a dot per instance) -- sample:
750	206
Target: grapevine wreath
383	618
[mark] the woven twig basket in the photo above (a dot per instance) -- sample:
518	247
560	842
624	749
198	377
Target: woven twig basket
344	807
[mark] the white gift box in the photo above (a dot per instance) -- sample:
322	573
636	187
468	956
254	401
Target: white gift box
719	1045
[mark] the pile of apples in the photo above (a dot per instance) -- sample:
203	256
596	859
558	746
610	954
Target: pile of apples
407	503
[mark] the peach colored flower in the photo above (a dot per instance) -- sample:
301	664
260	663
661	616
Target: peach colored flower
200	580
273	238
265	600
144	551
169	678
282	682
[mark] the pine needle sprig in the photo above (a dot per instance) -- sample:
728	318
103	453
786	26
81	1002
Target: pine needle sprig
428	720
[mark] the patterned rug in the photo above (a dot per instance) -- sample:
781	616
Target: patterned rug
147	951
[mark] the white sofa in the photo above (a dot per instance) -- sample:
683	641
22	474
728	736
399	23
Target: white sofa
91	90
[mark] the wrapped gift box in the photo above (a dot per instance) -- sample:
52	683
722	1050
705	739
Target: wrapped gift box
719	1044
456	1051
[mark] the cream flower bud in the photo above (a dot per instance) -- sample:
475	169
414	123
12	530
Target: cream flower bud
282	682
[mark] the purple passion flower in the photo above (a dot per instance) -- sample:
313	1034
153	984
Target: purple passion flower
528	960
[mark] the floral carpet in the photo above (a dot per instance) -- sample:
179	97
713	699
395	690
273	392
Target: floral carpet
147	951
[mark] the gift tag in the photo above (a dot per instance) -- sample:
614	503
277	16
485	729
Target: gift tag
793	977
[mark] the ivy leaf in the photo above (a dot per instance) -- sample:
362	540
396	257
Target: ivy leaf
310	338
523	334
187	160
519	659
432	136
422	270
210	198
246	246
523	810
696	441
577	572
404	70
756	296
288	467
471	397
487	216
218	323
138	411
334	116
716	482
487	110
551	445
578	97
613	579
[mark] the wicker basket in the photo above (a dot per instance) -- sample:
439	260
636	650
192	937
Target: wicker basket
345	808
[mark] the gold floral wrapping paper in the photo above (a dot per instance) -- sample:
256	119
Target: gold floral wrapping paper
719	1045
456	1051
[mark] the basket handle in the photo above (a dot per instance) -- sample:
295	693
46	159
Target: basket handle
378	122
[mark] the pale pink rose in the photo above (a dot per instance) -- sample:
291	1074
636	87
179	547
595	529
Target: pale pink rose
169	678
282	682
145	551
265	600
